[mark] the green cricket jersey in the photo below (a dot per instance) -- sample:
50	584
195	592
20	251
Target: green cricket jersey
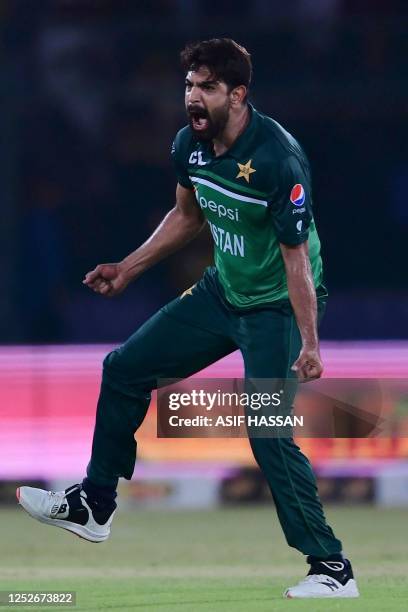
254	196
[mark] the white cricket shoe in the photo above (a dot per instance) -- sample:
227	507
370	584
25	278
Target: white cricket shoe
326	579
69	510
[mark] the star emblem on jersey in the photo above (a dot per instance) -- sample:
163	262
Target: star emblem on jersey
245	170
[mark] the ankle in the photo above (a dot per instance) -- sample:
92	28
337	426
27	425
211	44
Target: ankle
105	495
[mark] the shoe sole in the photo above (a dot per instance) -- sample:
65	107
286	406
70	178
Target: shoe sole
78	530
350	591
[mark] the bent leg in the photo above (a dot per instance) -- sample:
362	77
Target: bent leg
166	346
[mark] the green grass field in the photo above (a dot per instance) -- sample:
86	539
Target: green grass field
223	560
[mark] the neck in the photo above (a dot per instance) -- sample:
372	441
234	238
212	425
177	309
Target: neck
237	123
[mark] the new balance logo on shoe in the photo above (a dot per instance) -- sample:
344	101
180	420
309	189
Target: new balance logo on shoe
331	584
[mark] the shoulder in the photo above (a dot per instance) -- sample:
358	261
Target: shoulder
272	148
183	143
181	148
277	141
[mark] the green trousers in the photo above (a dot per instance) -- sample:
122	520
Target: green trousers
182	338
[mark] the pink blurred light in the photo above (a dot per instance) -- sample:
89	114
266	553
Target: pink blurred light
48	397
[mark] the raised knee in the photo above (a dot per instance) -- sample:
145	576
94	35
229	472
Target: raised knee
125	376
108	359
111	366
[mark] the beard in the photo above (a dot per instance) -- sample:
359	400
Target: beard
207	126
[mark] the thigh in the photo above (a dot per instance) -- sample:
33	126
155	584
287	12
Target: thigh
180	339
270	341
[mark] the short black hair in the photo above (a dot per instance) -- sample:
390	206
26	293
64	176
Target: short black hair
226	60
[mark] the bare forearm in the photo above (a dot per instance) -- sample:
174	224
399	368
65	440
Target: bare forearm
302	293
175	231
302	296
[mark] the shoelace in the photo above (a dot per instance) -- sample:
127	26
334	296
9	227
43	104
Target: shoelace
57	499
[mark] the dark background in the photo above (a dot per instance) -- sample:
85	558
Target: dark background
91	98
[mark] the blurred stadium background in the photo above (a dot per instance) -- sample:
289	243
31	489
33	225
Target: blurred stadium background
92	96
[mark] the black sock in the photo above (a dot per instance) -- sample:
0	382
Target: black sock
340	569
104	496
334	557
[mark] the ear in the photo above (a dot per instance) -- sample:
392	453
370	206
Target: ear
237	95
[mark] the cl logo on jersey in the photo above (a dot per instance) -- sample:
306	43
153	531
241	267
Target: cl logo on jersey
196	158
297	195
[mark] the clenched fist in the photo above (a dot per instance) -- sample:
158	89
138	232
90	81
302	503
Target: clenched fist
107	279
308	366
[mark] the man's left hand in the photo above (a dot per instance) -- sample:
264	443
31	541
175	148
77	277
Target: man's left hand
308	365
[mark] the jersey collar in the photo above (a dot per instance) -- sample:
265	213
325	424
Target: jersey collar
242	144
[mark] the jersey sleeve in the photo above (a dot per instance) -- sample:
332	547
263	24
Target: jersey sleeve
292	205
178	155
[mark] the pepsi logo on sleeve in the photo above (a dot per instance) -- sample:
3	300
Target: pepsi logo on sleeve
297	195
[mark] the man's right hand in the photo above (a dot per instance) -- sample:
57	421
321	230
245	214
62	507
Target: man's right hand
179	226
107	279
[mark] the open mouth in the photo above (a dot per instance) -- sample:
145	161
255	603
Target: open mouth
199	120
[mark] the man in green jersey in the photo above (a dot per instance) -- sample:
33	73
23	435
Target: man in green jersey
249	179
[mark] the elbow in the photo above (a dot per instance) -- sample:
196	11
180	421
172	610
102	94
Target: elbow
297	263
194	223
296	270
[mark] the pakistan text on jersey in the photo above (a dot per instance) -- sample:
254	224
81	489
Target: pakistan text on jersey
226	242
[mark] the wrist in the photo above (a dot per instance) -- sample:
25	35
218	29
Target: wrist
127	269
311	345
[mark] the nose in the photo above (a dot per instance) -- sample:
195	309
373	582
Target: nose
194	95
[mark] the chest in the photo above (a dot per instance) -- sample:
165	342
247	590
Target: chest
226	190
